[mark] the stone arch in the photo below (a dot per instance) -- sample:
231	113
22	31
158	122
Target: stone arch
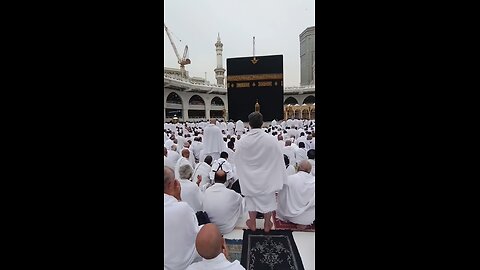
291	100
309	100
217	101
196	100
173	106
173	98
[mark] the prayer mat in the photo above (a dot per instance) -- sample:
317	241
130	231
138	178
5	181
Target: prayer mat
234	247
282	225
275	250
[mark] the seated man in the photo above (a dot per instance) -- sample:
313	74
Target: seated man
184	160
200	175
222	163
224	206
296	201
190	194
180	226
211	246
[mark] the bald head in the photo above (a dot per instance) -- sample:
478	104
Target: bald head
288	143
209	241
185	153
220	176
186	144
213	121
304	166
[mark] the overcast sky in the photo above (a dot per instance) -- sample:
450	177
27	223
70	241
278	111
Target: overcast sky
276	25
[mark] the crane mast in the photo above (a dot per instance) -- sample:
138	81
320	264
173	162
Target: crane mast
182	61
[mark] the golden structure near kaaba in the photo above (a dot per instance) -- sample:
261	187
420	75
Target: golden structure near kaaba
257	107
305	111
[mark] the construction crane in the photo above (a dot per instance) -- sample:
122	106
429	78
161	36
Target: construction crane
182	61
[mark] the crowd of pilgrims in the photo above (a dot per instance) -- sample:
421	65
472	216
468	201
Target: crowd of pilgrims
223	171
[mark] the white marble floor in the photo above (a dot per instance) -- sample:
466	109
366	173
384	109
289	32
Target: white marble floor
305	241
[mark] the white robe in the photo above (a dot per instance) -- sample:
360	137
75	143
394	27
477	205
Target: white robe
167	162
202	169
191	194
230	128
217	263
260	165
173	157
274	123
290	152
290	170
239	127
179	231
312	161
300	154
224	207
296	201
168	144
213	143
180	162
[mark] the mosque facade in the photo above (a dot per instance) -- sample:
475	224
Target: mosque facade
195	99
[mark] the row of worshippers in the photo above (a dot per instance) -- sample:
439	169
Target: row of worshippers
225	208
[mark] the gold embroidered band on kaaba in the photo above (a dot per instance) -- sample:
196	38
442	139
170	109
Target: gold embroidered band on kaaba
255	77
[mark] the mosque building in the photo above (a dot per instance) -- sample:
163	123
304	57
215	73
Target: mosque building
195	99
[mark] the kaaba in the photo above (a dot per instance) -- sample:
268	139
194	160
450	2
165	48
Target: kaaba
252	80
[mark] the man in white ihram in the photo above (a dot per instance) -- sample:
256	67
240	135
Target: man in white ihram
213	143
184	160
224	206
261	171
239	127
180	226
212	247
296	201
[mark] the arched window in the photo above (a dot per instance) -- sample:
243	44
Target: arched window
174	98
196	100
309	100
291	100
216	101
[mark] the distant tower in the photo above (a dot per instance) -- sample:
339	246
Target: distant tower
219	71
307	56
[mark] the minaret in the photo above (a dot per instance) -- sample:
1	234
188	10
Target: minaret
219	71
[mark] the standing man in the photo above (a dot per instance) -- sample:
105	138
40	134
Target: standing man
261	171
213	143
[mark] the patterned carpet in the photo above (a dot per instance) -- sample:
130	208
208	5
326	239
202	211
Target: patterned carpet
275	250
234	248
281	225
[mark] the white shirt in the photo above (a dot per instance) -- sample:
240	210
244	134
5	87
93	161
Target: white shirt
217	263
223	206
180	231
191	194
